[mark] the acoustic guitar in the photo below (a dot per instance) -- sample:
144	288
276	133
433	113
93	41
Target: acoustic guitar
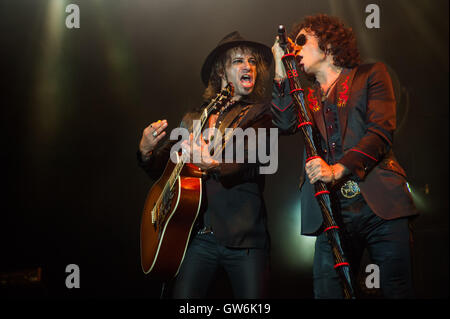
173	205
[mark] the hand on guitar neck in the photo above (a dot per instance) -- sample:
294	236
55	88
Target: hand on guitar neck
191	147
151	136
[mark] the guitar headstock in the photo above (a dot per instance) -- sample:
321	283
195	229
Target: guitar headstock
224	96
221	99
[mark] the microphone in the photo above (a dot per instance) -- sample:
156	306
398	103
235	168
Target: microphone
282	36
300	41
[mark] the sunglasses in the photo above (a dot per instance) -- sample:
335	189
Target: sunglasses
300	40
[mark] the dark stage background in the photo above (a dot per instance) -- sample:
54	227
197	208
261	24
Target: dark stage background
74	103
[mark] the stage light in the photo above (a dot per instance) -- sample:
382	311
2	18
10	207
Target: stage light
419	197
297	250
45	117
409	188
118	55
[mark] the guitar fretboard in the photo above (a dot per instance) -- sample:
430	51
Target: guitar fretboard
222	98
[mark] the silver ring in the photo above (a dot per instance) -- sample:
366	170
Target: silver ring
155	134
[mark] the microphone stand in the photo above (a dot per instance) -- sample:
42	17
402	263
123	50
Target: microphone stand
321	192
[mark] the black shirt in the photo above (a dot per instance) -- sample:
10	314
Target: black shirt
233	203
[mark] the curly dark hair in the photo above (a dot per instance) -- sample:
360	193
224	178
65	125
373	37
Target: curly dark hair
260	91
334	38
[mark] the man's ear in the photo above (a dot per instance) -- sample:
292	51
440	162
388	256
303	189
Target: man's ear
328	50
221	72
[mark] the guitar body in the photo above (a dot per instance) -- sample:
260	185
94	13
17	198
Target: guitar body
164	243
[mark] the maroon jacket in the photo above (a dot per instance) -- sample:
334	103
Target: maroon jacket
366	115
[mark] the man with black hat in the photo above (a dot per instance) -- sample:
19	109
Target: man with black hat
232	232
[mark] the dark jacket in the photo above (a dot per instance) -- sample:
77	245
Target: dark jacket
234	200
366	113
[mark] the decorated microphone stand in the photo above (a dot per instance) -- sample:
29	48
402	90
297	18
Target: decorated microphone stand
341	266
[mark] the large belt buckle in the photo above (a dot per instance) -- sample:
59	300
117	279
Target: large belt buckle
350	189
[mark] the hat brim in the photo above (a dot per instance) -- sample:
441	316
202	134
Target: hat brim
211	58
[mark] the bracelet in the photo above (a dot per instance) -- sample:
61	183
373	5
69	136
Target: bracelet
333	178
146	156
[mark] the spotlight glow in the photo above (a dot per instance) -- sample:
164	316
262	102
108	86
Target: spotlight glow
409	188
298	251
419	198
46	115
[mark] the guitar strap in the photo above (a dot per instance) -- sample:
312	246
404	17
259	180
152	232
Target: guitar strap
232	120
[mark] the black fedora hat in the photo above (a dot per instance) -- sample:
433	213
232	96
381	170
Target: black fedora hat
229	41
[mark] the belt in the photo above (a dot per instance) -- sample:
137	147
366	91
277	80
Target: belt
205	230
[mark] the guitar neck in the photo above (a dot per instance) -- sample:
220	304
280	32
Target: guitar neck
184	156
222	98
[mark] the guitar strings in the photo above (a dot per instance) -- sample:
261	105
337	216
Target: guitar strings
225	95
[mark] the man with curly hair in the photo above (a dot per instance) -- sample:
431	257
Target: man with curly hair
352	108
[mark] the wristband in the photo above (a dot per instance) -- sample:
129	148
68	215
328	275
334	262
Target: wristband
333	178
146	156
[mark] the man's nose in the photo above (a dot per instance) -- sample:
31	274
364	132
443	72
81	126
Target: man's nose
246	65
